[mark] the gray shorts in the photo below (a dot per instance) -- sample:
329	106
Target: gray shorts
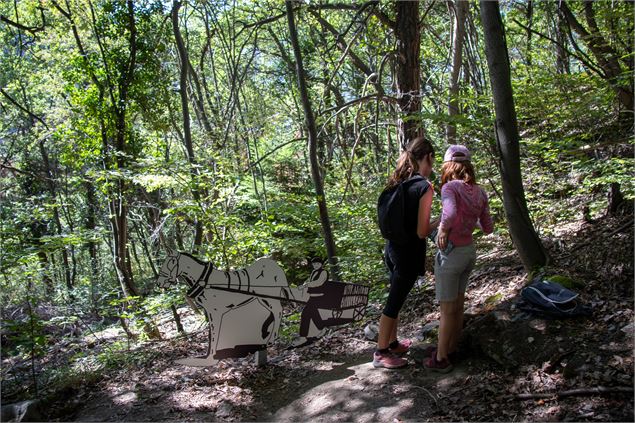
451	271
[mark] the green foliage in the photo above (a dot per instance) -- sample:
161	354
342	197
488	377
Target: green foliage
119	356
290	327
26	336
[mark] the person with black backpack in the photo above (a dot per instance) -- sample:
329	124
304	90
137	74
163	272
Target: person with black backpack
404	220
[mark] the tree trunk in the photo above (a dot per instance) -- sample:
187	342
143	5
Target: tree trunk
38	230
408	33
530	20
615	199
562	56
310	122
118	204
458	8
91	225
187	133
50	178
526	241
607	57
121	257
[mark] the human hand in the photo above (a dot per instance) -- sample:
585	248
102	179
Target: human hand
442	239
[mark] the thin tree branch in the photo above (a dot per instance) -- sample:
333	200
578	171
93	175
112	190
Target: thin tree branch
23	172
80	46
32	29
575	392
24	109
270	152
584	60
386	98
260	22
383	18
344	47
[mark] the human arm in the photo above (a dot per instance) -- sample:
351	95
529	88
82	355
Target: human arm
424	227
448	215
298	294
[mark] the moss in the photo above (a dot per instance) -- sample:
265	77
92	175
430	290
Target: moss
494	299
566	281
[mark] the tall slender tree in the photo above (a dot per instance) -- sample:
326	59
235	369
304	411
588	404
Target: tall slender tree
185	111
524	236
113	86
312	131
458	9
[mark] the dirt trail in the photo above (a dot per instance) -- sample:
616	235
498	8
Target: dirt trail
329	388
370	394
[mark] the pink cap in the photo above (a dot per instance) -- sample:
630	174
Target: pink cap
457	153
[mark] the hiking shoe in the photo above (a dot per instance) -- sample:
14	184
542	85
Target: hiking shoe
432	350
443	366
402	347
388	361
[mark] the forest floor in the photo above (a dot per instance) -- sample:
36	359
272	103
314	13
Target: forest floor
548	370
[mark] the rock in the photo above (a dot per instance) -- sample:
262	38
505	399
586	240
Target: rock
502	315
224	410
629	330
513	342
22	411
371	331
428	330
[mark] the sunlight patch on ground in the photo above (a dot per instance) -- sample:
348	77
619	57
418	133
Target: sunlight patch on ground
393	412
125	398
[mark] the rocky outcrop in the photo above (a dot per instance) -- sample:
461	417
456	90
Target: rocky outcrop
513	338
25	411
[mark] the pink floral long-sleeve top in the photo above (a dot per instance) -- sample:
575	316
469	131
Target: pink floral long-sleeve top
465	207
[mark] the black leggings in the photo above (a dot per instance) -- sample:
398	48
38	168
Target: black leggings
405	264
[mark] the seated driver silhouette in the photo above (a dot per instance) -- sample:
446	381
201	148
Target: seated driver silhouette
311	322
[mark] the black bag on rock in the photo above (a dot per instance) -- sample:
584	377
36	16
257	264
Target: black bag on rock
550	299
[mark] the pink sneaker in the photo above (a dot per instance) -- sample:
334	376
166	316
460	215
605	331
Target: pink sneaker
402	347
388	361
443	366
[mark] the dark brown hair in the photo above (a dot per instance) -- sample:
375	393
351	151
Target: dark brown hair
463	171
407	164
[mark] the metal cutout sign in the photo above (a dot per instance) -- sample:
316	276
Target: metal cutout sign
244	307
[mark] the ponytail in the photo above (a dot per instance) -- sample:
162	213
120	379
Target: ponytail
407	163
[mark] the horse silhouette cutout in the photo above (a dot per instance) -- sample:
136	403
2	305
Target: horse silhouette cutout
244	307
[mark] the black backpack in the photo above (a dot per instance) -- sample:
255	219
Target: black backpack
391	211
551	300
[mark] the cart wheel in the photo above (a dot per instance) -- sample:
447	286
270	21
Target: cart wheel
358	313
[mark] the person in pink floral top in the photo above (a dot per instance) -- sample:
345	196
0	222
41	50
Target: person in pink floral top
464	207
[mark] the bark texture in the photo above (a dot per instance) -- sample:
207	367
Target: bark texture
408	33
526	241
